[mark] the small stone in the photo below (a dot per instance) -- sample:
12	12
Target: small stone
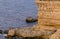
30	20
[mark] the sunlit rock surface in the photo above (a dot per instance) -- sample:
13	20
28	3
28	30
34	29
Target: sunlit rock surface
48	13
56	35
11	32
42	27
31	32
28	32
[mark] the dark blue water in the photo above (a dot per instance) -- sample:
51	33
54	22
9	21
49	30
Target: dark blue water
14	12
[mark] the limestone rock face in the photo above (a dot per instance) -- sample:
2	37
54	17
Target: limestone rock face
48	12
42	27
46	30
56	35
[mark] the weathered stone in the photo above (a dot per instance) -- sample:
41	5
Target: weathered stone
11	32
56	35
28	33
42	27
48	13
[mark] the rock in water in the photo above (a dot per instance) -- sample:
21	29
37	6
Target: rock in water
1	31
56	35
5	32
30	20
27	32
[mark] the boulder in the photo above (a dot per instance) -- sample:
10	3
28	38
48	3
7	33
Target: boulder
11	32
30	20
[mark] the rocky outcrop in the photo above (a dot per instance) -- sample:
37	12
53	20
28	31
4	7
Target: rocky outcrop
24	33
27	32
47	30
42	27
48	13
11	32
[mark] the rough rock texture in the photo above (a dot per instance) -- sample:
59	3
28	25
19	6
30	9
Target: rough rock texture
24	32
48	18
28	32
47	30
11	32
48	13
56	35
42	27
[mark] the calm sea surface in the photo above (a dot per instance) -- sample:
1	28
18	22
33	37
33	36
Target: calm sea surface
14	12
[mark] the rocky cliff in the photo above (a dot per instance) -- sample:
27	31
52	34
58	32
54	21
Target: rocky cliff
48	13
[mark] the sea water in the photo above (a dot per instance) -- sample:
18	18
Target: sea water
14	12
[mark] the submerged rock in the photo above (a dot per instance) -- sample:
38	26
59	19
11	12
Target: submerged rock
42	28
5	31
30	20
1	31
